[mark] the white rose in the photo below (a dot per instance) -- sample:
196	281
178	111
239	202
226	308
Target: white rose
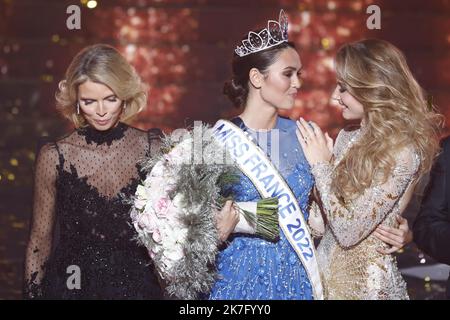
175	237
177	201
157	171
141	197
174	254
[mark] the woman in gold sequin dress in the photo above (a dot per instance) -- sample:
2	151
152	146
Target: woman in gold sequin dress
368	177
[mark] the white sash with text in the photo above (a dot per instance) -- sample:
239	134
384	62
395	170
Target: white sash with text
254	163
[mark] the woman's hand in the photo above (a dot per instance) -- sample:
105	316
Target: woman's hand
396	237
226	220
316	146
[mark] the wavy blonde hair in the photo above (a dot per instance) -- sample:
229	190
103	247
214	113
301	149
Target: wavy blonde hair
396	115
103	64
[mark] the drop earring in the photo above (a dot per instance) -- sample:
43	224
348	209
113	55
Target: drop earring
78	108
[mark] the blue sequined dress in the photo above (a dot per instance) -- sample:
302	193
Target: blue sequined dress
253	268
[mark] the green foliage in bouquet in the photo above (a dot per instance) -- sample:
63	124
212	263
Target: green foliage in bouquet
199	186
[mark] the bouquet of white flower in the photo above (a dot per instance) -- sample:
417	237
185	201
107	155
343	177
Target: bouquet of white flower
174	211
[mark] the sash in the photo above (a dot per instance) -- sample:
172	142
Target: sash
253	162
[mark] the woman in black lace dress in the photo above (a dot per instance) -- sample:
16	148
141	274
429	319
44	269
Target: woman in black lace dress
81	243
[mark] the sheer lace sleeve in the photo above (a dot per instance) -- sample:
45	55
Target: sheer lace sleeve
354	221
40	241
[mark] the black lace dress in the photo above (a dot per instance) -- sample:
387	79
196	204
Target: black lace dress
82	242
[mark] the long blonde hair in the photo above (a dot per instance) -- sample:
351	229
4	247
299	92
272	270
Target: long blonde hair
396	114
101	63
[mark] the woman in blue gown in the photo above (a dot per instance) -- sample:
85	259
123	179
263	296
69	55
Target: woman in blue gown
254	268
265	80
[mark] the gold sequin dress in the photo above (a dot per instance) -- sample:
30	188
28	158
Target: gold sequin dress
351	267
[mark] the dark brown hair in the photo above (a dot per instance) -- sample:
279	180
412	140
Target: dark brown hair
237	88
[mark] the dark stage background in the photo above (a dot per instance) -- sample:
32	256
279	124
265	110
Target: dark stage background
183	48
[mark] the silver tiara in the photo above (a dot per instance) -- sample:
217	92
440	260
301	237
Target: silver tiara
274	34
